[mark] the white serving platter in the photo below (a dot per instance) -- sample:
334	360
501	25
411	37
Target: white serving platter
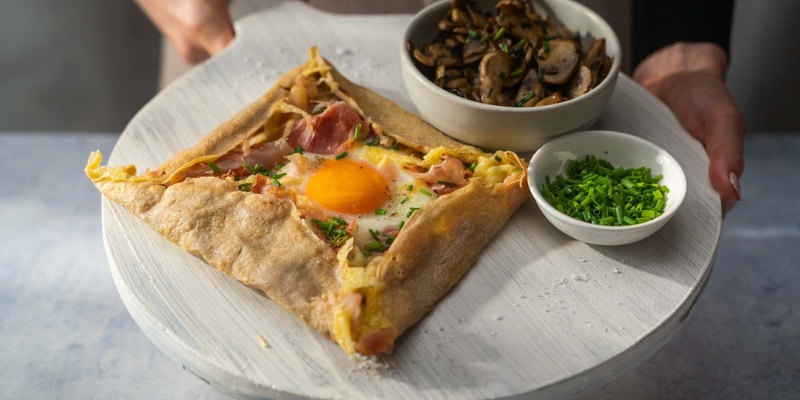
540	315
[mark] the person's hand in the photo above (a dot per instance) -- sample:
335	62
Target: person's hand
690	79
197	28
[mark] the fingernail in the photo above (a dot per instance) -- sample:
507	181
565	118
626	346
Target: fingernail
735	183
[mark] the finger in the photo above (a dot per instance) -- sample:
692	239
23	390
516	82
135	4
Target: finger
724	142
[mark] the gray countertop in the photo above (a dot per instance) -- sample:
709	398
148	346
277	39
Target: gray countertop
64	332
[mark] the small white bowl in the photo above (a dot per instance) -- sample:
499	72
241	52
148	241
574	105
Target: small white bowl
495	127
621	150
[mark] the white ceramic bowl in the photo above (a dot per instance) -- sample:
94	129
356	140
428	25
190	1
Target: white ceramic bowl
621	150
495	127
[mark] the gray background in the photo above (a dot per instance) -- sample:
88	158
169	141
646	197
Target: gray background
90	65
83	65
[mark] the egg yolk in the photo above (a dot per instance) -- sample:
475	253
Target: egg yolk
348	186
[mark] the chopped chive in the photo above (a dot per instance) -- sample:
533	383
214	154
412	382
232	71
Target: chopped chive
298	149
525	99
451	184
341	155
594	191
497	158
357	134
371	246
411	211
472	167
425	192
372	143
410	187
396	146
374	234
245	187
499	34
334	229
400	226
380	211
214	167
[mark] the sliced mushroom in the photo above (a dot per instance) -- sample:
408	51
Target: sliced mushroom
455	79
429	55
493	71
460	17
596	49
580	84
478	18
554	98
446	25
556	29
530	90
558	60
521	58
512	16
474	51
600	67
439	77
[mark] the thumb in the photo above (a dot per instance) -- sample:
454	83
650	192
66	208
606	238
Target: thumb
217	34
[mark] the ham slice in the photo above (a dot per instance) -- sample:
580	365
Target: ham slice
267	154
445	177
330	131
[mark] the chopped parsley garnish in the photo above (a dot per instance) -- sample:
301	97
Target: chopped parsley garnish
335	230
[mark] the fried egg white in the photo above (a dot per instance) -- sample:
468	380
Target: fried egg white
368	185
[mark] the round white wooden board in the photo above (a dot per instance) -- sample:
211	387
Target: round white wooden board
539	315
